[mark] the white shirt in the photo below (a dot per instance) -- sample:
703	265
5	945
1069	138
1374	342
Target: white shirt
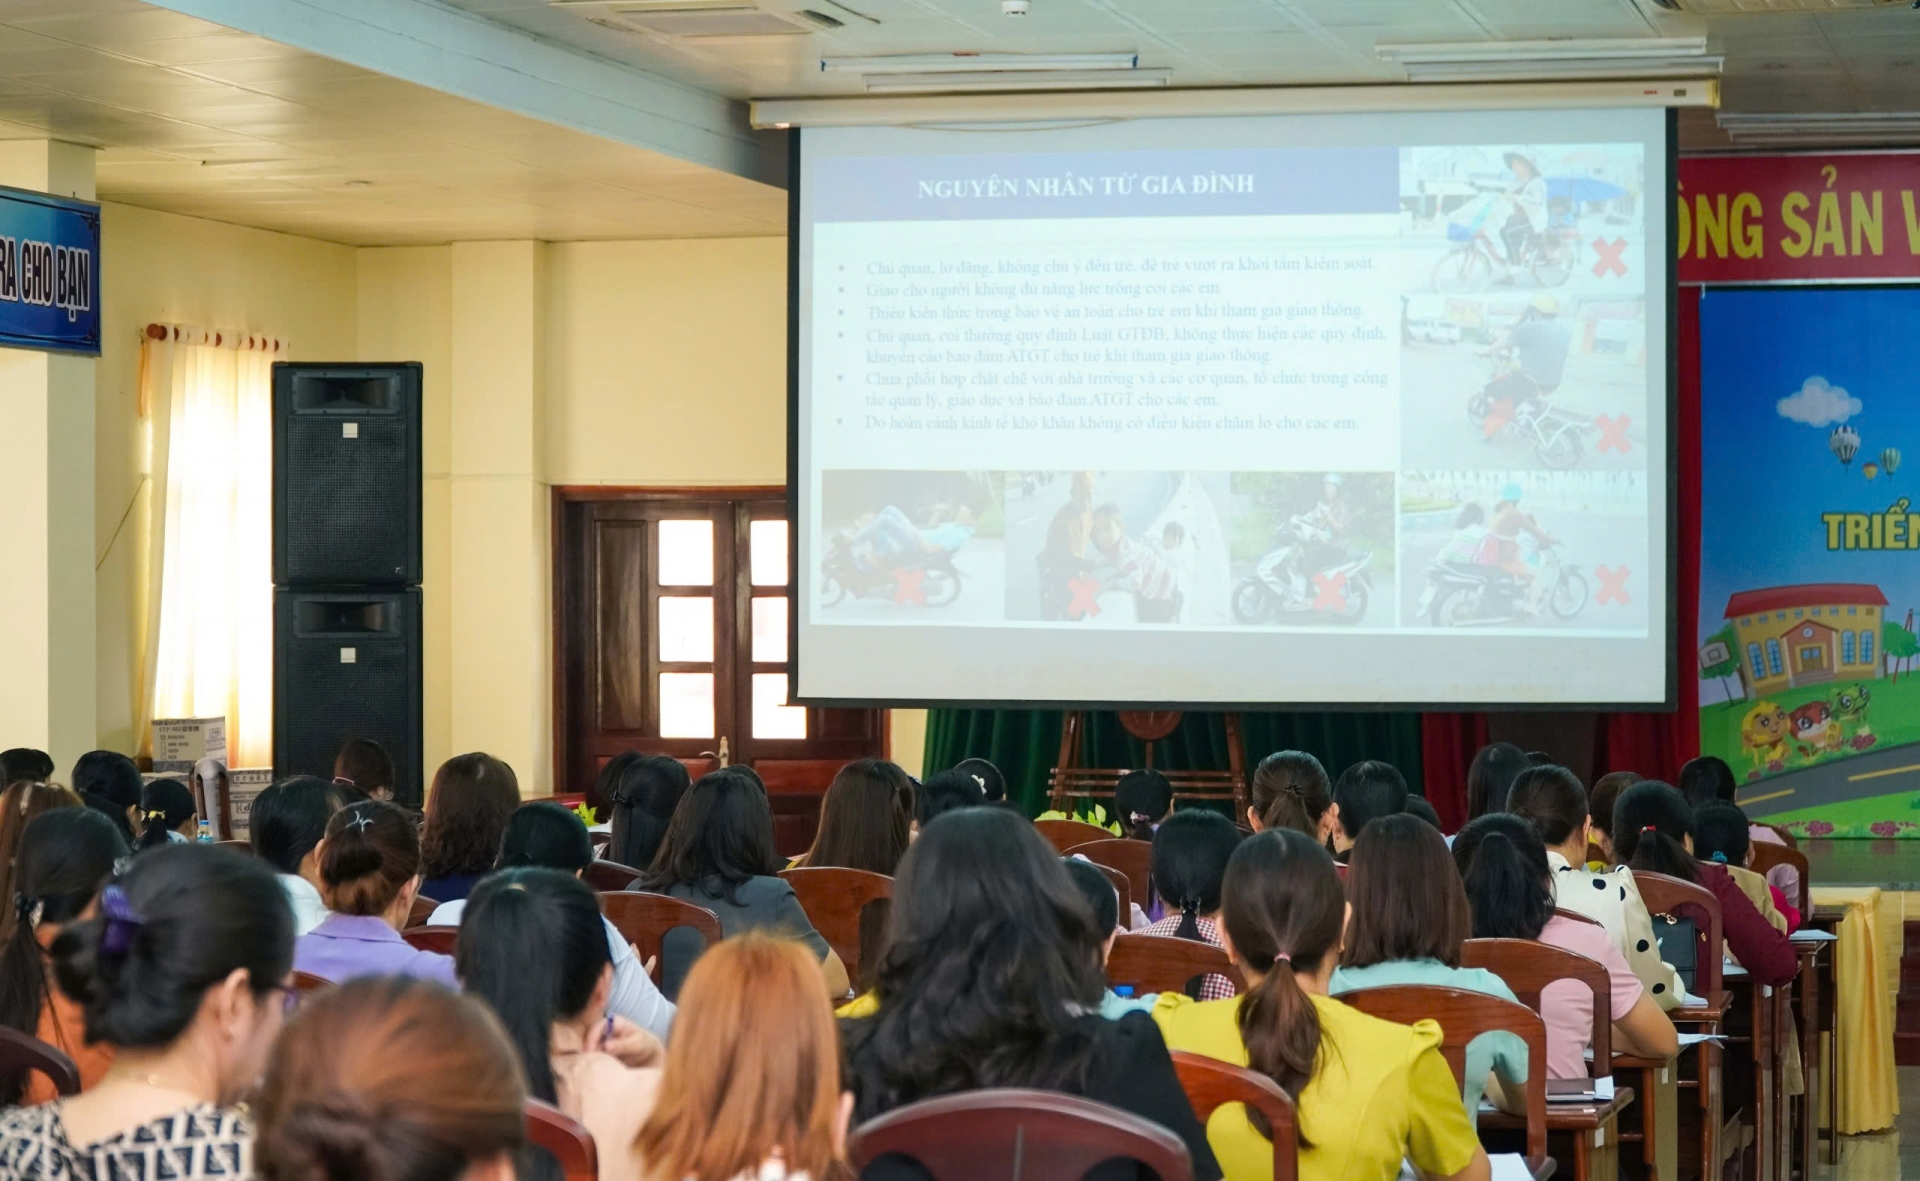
1613	900
308	911
635	996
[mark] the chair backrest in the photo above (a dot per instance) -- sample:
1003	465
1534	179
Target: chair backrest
305	983
1121	886
1670	896
422	910
1163	963
1575	916
440	940
1464	1016
1211	1083
1065	834
644	920
1130	857
565	1138
833	899
19	1051
1528	967
609	876
237	846
1792	841
1766	856
1017	1135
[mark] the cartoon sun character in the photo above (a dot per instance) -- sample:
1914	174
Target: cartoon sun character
1814	729
1764	733
1850	708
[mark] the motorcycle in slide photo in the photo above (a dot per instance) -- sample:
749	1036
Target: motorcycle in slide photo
1271	594
841	576
1558	437
1461	595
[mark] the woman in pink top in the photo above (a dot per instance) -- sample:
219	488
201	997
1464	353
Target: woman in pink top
1510	887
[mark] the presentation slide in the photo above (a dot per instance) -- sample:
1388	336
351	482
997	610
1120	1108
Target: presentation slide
1341	409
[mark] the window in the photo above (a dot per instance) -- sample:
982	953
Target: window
1774	663
1749	622
1866	647
1816	612
1810	657
1846	647
1853	610
1797	612
1756	667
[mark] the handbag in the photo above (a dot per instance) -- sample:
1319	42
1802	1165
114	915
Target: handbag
1679	940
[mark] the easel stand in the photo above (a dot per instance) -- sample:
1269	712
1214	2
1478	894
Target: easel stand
1069	780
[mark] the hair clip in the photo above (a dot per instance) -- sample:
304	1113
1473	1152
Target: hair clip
123	922
361	822
1719	857
1646	828
155	814
979	779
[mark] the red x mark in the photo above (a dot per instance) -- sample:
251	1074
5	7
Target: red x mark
1330	592
1609	256
1613	433
907	586
1083	605
1613	585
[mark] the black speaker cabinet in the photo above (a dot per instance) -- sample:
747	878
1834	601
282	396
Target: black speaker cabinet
346	664
346	474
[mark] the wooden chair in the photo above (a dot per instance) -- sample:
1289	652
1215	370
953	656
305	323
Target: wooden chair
237	846
609	877
565	1139
1121	887
306	983
600	842
423	908
1211	1083
440	940
19	1051
1065	834
833	899
1766	856
1670	897
1576	917
1017	1135
1068	780
1133	858
1163	963
1528	967
644	920
1464	1016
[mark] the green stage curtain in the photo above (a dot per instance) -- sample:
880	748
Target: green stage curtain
1024	743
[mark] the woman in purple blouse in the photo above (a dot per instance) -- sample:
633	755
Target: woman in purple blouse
369	875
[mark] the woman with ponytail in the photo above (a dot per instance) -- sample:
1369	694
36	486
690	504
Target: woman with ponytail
645	791
1652	832
168	814
1144	800
1190	854
1367	1093
1722	836
1510	888
1291	790
391	1078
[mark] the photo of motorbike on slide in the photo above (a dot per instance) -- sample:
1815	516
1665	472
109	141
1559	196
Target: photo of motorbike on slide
1527	368
1532	238
862	562
1310	568
1504	573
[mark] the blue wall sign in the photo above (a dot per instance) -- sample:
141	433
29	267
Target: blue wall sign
49	273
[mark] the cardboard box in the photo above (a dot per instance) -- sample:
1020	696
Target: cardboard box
243	784
179	743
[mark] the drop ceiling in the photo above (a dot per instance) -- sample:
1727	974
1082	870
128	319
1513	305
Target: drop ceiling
194	118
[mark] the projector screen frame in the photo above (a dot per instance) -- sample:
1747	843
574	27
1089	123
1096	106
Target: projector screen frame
797	615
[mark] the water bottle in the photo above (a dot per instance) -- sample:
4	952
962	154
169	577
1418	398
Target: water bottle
206	831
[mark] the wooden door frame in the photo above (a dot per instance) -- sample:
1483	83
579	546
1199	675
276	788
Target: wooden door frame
559	666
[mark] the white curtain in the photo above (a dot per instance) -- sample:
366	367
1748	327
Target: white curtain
209	633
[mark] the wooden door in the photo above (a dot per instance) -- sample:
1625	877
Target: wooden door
672	613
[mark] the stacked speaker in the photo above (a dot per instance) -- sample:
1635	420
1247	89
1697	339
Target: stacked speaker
346	566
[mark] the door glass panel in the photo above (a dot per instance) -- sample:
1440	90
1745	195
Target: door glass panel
686	629
767	553
770	630
772	717
686	553
686	705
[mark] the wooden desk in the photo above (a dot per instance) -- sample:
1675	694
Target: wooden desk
1657	1082
1707	1080
1761	1005
1820	1003
1586	1132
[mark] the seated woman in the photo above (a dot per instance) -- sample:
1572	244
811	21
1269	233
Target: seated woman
718	853
369	875
1364	791
752	1085
535	948
866	820
1190	854
1722	835
1291	790
1104	902
288	822
1367	1093
1652	831
473	796
168	814
1409	919
1552	800
993	980
1510	888
545	835
1600	801
183	970
645	790
66	855
392	1078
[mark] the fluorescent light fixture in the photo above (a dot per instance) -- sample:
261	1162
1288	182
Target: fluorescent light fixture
1011	80
973	63
1822	128
1560	58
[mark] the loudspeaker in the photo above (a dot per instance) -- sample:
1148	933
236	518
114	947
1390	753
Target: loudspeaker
346	474
346	664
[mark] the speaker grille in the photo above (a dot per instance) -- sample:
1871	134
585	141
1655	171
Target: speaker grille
346	475
322	699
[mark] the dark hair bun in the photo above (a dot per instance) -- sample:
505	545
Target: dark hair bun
330	1137
370	854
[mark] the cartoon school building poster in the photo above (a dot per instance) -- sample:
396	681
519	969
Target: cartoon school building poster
1808	660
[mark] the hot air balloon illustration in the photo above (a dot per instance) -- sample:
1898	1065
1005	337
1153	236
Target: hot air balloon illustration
1843	442
1869	469
1890	461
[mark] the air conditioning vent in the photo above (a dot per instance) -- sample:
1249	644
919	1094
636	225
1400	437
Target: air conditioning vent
822	19
1766	7
694	20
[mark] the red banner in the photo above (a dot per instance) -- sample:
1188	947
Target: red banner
1798	219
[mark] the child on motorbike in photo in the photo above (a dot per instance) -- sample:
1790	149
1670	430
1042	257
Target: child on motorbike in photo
1469	544
1509	522
1527	197
1138	567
